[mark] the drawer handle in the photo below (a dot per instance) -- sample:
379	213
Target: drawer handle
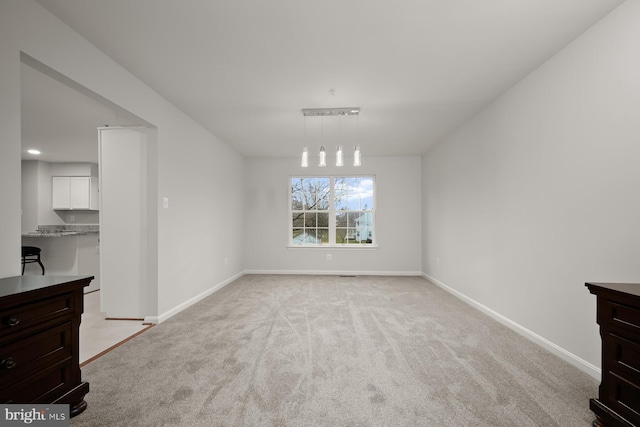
7	363
13	321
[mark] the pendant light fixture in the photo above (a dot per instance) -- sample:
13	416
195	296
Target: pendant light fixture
339	159
305	151
356	156
322	154
322	157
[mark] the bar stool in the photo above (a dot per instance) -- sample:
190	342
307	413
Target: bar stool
31	254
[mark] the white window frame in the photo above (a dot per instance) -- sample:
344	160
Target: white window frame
332	216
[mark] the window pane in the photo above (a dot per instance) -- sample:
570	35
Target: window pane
352	218
341	235
366	193
323	193
323	235
323	219
312	194
297	219
340	194
306	236
359	193
310	220
364	227
300	193
297	233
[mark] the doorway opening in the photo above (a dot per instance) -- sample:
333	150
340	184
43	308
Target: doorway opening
61	118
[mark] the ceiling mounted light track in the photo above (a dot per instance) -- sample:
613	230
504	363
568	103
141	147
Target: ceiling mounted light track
342	111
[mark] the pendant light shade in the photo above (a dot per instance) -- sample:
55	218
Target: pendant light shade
356	156
339	157
305	158
322	157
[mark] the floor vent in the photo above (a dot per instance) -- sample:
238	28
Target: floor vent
346	275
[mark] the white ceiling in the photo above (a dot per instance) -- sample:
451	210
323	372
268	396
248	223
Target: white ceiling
243	69
60	118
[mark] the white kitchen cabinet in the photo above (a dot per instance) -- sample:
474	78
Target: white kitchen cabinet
75	192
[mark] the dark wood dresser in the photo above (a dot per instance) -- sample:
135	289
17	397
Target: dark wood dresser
618	402
39	340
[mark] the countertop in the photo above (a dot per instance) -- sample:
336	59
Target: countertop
57	233
63	230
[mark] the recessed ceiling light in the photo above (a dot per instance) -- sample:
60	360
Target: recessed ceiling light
34	152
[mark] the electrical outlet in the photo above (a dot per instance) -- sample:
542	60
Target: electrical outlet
437	261
329	257
165	202
226	260
72	218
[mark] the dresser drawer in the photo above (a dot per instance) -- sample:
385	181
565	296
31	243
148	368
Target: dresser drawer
621	315
623	396
22	357
622	355
20	317
41	387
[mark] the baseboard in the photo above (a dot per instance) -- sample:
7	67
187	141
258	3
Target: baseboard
565	355
177	309
336	272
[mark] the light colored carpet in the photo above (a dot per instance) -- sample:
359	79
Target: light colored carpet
333	351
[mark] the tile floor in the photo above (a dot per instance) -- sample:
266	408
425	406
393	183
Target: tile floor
97	335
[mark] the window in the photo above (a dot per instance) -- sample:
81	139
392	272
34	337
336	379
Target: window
332	211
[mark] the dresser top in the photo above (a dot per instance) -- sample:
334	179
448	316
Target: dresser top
20	284
625	288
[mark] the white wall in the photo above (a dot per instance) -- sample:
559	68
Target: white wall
46	215
539	194
398	219
201	175
29	196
